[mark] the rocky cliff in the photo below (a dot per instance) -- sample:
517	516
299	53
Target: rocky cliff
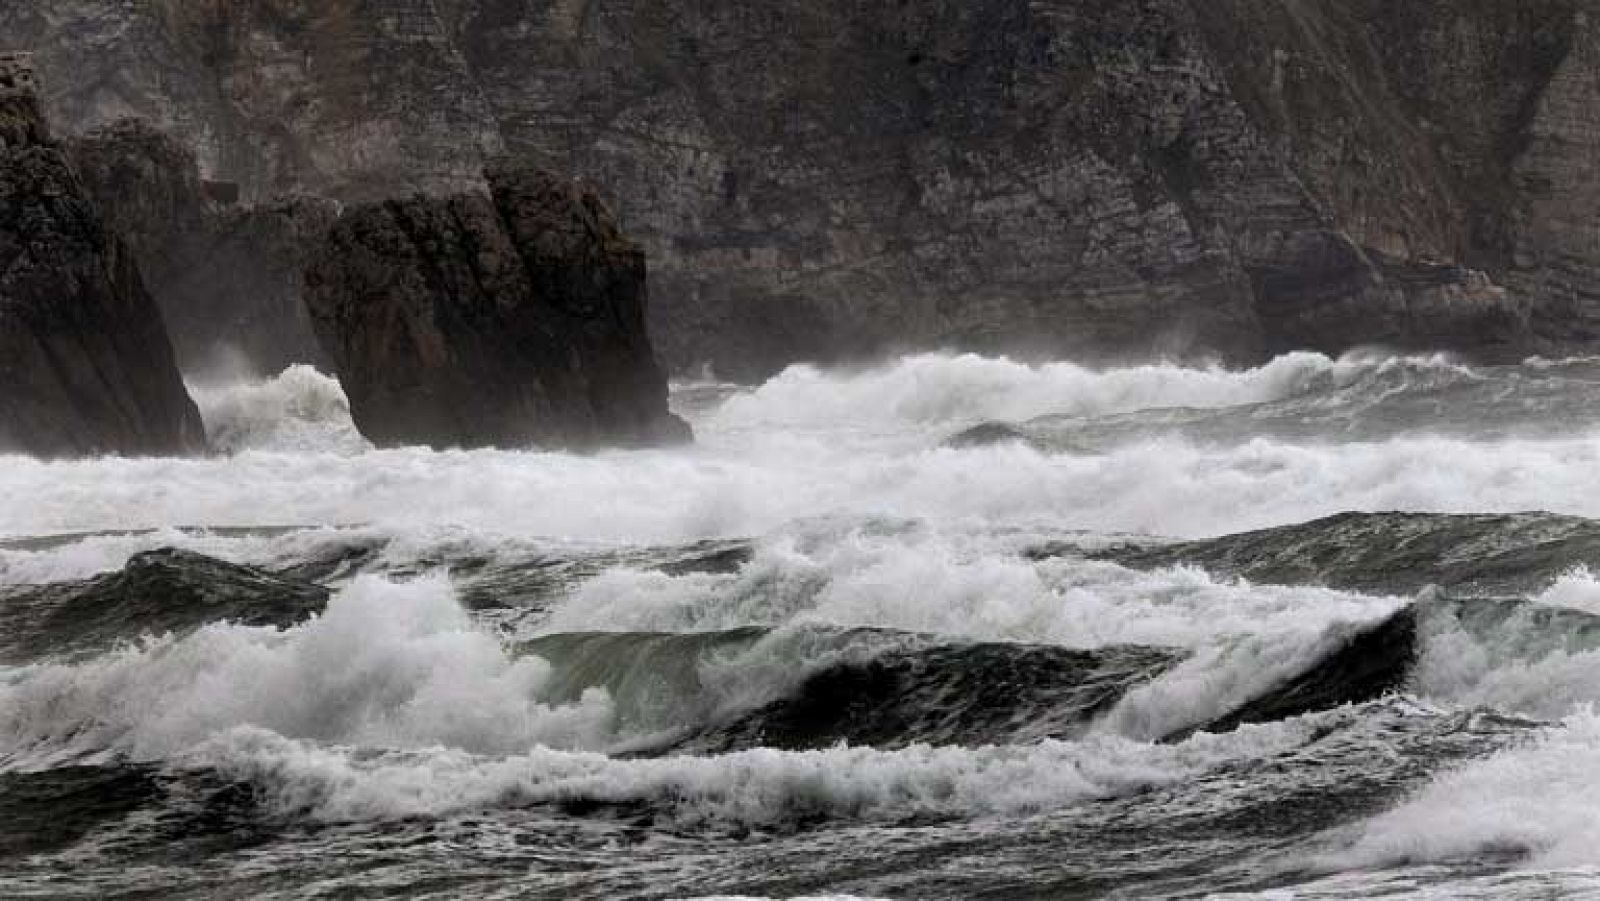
85	364
227	275
509	319
815	179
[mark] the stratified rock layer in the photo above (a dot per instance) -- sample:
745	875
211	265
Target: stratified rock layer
511	319
814	180
85	363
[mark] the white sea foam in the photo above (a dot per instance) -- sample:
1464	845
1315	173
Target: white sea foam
940	392
970	584
75	557
387	665
299	410
1245	638
751	787
1539	800
666	497
810	444
1521	667
1577	589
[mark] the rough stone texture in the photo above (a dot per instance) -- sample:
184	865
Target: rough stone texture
344	98
506	319
823	179
85	364
228	278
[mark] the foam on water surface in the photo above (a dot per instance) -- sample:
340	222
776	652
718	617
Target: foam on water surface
809	444
843	511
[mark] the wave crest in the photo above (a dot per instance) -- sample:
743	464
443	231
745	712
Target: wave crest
299	410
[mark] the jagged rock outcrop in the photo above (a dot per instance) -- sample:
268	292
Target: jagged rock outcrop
815	180
85	363
227	277
509	319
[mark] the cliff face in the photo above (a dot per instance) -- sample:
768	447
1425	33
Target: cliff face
820	179
345	98
506	319
227	277
85	364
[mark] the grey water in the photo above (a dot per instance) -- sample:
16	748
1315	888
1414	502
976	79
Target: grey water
1327	628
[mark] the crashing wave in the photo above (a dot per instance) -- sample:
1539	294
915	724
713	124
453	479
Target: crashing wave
299	410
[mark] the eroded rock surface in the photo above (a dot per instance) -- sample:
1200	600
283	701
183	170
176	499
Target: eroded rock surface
508	319
823	180
227	276
85	363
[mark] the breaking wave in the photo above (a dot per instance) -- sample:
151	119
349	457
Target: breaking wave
941	391
756	787
1538	804
387	665
825	612
299	410
808	445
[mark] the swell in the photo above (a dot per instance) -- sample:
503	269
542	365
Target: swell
834	663
867	443
390	699
1399	553
155	593
393	663
1356	400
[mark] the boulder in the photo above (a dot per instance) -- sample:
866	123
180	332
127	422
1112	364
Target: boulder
511	318
85	363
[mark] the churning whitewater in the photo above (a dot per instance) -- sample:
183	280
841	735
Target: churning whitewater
948	627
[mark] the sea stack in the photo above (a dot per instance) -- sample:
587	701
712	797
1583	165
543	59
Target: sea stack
86	366
513	318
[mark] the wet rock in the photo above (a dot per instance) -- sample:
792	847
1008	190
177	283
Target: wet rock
228	277
509	319
1094	179
86	366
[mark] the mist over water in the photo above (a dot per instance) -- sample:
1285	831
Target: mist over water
810	444
777	642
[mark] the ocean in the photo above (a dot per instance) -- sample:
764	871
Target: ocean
947	627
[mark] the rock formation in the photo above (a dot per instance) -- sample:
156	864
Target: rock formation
817	179
228	277
509	319
85	363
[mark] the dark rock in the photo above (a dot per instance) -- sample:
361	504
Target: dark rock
224	193
1043	176
228	277
510	319
85	363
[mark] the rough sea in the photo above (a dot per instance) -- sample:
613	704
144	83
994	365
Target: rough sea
950	627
